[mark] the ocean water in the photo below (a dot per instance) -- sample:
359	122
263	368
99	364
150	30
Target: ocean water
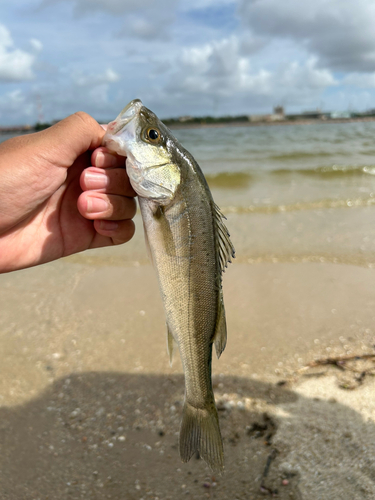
293	193
274	168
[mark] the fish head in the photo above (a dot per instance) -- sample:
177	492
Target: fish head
138	134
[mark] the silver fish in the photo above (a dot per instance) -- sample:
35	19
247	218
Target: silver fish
189	246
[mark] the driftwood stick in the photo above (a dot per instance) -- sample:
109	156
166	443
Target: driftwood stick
340	362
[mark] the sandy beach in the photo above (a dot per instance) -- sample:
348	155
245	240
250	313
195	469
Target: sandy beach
90	407
273	102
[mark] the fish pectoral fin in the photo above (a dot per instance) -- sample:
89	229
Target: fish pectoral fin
157	211
220	337
170	345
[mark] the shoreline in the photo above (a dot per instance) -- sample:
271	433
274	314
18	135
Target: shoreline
22	130
272	123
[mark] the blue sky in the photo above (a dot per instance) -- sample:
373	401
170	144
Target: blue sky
184	58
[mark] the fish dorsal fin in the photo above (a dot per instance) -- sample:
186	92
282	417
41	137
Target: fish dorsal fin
220	338
225	246
225	253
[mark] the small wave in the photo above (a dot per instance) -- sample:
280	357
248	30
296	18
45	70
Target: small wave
368	152
299	155
230	180
328	171
351	260
309	205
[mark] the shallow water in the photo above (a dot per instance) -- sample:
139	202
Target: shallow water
293	193
287	164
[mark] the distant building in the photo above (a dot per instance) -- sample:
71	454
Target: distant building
257	118
309	115
337	115
277	115
279	111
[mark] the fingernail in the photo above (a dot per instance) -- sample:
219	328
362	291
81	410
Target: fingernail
105	160
95	180
96	205
108	225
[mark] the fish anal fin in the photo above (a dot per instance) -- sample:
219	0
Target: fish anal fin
170	345
220	337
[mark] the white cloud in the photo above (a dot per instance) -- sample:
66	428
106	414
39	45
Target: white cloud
5	39
112	6
339	32
214	68
360	80
59	101
198	57
148	27
15	97
146	20
205	4
15	107
36	44
83	80
15	64
219	69
307	76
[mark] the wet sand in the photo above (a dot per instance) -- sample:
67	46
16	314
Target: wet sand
90	407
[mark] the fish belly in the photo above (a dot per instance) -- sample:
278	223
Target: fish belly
182	246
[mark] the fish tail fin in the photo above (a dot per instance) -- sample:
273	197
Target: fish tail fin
200	432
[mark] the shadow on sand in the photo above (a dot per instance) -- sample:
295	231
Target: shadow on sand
112	435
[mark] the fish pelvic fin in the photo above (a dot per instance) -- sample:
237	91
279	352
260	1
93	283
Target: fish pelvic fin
200	432
220	337
170	345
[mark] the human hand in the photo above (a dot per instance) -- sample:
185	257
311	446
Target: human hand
55	201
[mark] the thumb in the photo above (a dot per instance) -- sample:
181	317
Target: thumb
71	137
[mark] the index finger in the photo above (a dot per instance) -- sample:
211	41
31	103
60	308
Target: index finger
103	158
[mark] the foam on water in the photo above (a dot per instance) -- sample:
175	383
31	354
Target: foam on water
292	207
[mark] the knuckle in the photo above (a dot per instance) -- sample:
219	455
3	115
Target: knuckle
84	117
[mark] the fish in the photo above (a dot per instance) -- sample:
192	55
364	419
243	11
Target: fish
190	247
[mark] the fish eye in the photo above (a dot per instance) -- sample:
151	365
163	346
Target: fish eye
153	135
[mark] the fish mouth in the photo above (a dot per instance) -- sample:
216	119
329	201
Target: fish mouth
126	115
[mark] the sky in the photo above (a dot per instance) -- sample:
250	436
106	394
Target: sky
201	57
